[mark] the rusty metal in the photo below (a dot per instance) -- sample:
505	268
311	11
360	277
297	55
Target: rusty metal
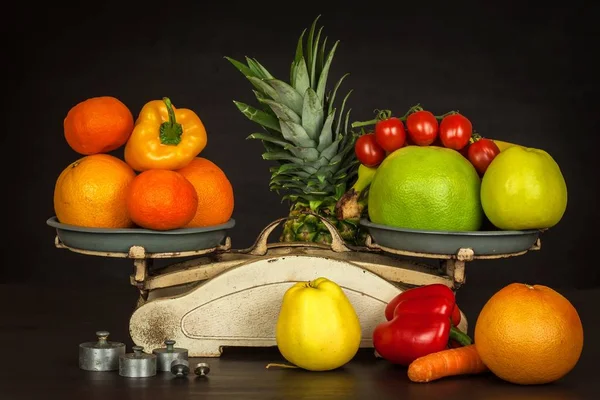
102	355
168	354
137	364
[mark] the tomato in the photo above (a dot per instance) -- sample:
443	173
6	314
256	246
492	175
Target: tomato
422	127
390	134
481	153
455	131
368	152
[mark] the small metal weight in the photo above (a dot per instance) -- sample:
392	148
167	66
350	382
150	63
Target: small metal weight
180	368
137	364
166	355
202	369
101	355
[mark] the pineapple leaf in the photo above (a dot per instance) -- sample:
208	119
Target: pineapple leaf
263	87
312	114
344	170
260	97
268	138
309	46
311	169
315	204
299	49
293	73
339	122
261	68
241	67
281	155
285	168
327	170
321	162
282	179
258	72
326	136
323	77
331	99
349	145
302	80
315	56
295	133
340	189
282	111
331	150
287	95
347	120
321	56
308	154
258	116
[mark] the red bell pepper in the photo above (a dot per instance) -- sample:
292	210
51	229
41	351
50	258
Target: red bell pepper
421	324
436	289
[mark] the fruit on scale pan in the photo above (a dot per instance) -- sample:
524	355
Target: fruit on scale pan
428	188
175	188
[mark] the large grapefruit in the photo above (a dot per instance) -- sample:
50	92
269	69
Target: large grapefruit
529	334
426	188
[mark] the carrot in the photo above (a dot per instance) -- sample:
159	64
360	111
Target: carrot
450	362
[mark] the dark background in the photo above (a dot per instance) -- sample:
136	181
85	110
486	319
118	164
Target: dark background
521	75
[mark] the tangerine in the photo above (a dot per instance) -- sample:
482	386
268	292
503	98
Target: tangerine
98	125
91	192
214	190
161	199
529	334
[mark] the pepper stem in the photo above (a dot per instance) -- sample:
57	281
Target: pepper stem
459	336
171	130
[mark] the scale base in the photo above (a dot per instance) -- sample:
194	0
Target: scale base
240	307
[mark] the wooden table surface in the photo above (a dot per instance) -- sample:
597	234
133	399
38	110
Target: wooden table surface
42	326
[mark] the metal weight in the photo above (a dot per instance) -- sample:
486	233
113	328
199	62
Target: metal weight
180	368
202	369
101	355
137	364
166	355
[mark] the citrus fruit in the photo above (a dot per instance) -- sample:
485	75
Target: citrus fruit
529	334
214	191
523	188
91	192
161	199
98	125
426	188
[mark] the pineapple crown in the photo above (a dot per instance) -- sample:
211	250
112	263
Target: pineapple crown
302	130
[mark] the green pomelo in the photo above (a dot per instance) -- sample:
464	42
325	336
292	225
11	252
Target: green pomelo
426	188
523	188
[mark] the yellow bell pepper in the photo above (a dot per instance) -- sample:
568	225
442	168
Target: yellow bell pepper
164	137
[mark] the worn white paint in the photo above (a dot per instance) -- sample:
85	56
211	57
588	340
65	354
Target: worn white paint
240	306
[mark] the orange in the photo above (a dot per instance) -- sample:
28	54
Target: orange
529	334
98	125
161	199
215	193
91	192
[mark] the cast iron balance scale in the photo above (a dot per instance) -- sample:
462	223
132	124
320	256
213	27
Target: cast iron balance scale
224	297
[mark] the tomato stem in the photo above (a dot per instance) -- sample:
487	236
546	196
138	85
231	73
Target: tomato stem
446	114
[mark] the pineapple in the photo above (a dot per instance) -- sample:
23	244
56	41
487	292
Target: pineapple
308	137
